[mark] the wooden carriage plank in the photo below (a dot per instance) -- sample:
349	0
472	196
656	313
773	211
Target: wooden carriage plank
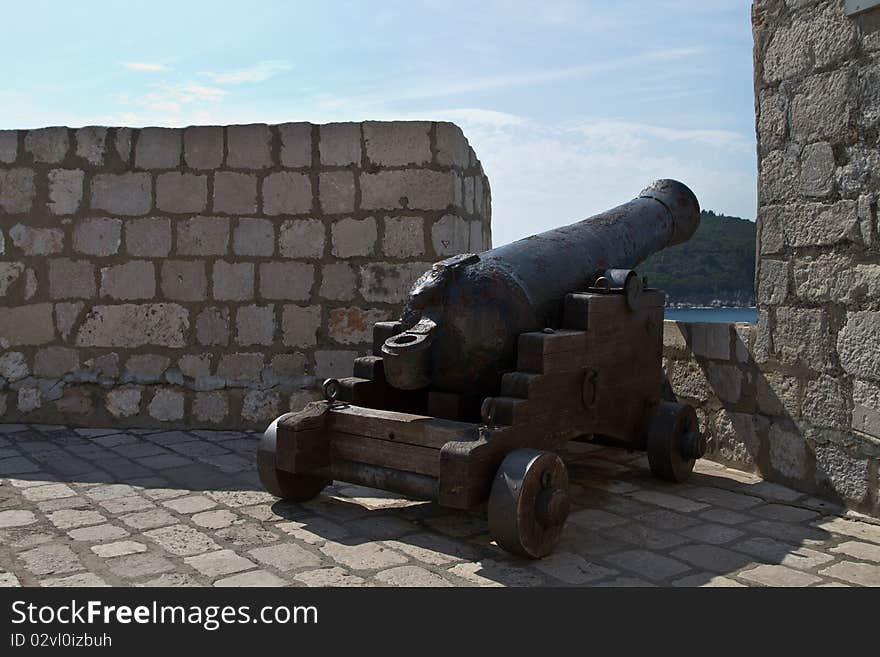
420	430
375	451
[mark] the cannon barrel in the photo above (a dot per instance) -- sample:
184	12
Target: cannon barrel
459	329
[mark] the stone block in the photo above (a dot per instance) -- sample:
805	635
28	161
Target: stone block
71	279
778	394
866	407
13	366
255	325
17	190
824	278
833	37
122	138
248	146
821	225
296	144
452	146
91	143
212	327
842	473
340	144
689	380
37	241
772	119
203	147
148	237
287	192
334	364
145	368
826	403
65	190
710	340
233	281
299	326
302	238
414	189
29	399
26	325
338	282
286	369
354	325
124	402
821	110
48	145
76	401
254	237
354	237
202	236
468	199
235	193
158	148
336	192
404	237
867	213
8	146
478	243
135	325
184	280
240	368
98	236
725	381
735	439
788	53
260	405
181	193
9	273
778	176
195	366
66	315
450	235
802	336
135	279
390	283
397	143
210	407
858	346
772	281
817	170
286	280
166	405
788	452
127	194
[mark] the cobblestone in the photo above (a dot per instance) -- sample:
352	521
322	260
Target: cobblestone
122	517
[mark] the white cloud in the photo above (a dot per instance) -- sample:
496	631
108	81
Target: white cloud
145	66
166	102
257	73
632	134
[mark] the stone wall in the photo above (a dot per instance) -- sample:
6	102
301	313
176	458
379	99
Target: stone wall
209	276
797	397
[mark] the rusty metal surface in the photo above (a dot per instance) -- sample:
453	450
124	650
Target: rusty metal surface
469	310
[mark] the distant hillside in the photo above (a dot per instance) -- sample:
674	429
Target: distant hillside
716	267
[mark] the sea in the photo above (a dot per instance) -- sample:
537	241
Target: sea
713	314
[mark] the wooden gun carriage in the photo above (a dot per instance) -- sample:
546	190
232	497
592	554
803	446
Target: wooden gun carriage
592	365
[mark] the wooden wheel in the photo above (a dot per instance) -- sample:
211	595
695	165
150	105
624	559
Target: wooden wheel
674	441
529	502
286	485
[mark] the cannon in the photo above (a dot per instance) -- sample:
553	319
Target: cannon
497	361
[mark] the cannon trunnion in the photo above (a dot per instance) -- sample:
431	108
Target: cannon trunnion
595	369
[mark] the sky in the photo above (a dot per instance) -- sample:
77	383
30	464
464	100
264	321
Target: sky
571	106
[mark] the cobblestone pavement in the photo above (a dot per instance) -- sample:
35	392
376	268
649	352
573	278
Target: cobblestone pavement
177	508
